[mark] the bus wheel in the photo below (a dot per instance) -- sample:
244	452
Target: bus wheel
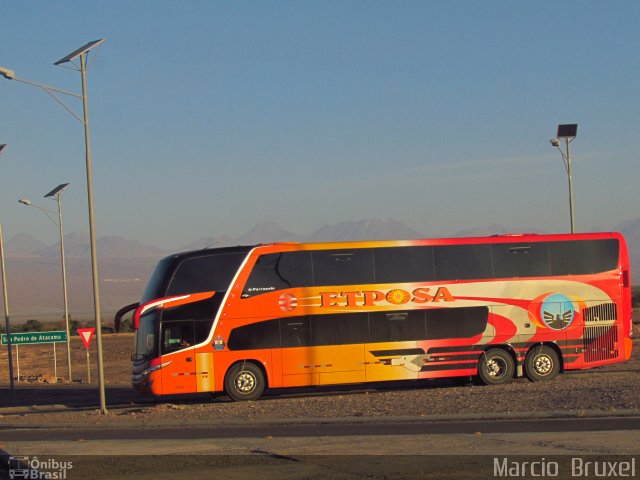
541	364
496	367
244	381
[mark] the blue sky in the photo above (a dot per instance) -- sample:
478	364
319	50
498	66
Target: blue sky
209	117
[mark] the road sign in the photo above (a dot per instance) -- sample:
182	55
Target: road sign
29	338
86	334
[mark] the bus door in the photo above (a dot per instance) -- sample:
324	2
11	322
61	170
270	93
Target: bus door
323	349
178	353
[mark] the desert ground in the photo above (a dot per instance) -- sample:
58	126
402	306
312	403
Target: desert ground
610	390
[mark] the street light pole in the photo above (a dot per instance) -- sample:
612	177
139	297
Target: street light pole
92	232
81	53
6	306
57	192
567	133
64	283
573	225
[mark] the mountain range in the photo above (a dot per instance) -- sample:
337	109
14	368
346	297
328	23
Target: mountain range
34	274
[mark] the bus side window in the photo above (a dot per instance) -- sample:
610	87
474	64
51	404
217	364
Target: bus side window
404	264
343	267
463	322
397	326
177	335
295	332
279	271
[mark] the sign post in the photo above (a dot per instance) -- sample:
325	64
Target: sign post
33	338
86	334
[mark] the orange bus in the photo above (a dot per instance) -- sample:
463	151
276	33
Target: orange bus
242	319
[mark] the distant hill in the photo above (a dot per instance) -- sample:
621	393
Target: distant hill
370	229
78	245
207	242
75	245
22	245
268	232
494	230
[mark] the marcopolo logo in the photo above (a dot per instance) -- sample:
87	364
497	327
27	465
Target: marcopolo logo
38	469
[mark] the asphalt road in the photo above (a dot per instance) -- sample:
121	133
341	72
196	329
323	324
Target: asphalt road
407	448
340	428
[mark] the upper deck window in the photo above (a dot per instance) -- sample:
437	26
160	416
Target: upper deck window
205	273
463	262
442	263
583	258
521	260
278	271
343	267
404	264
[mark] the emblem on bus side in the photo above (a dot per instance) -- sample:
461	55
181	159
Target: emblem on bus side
218	343
287	302
557	311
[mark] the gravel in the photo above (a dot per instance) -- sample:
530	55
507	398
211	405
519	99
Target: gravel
607	390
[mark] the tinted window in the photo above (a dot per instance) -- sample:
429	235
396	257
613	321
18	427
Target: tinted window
339	329
183	333
343	267
520	260
202	310
404	264
202	274
177	335
255	336
397	326
463	262
583	257
158	282
463	322
278	271
295	332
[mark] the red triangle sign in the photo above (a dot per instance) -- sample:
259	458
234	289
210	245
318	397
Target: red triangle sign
86	334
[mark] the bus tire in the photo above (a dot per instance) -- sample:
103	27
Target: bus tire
541	364
496	367
244	381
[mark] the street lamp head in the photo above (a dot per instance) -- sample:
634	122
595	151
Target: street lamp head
25	201
555	142
7	73
2	147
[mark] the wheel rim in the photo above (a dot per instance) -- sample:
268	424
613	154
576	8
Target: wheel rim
543	365
245	382
496	367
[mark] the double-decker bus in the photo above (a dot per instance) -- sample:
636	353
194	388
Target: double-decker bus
242	319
